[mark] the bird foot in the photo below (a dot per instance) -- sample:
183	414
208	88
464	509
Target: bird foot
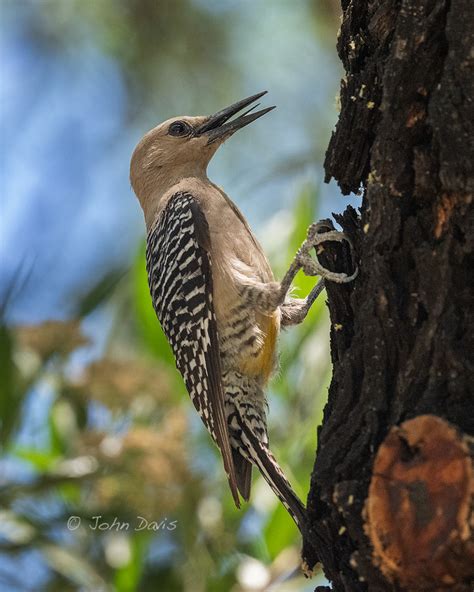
318	234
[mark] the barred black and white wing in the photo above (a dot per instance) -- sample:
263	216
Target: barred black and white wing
180	279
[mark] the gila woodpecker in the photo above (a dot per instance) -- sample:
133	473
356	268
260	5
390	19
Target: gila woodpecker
214	292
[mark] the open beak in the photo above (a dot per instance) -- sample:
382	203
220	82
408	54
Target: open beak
218	126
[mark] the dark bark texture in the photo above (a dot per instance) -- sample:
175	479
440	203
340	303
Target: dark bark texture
402	333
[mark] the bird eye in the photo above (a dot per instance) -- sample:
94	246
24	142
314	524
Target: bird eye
178	128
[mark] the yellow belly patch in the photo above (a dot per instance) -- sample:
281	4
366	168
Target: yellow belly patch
262	364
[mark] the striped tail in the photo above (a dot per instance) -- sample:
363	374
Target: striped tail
260	455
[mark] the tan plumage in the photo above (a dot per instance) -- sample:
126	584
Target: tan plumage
214	292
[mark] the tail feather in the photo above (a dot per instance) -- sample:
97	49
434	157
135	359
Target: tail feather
260	455
243	473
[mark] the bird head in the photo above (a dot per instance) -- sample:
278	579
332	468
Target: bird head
183	146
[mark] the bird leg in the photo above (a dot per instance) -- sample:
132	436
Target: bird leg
314	239
294	310
267	297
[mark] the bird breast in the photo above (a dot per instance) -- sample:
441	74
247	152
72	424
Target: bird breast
247	337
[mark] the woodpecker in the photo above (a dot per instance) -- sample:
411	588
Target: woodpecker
214	292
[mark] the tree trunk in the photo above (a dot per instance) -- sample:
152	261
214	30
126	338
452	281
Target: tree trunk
390	504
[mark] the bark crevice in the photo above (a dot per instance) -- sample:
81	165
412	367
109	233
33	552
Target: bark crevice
400	341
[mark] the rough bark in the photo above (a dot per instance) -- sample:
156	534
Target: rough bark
401	336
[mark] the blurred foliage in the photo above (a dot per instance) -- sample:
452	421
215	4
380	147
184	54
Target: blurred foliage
120	441
161	37
96	427
166	45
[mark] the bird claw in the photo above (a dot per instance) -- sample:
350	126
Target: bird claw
315	238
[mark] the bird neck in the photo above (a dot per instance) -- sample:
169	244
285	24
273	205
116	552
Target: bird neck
165	182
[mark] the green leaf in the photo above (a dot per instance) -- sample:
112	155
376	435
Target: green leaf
280	531
99	293
258	548
70	493
224	581
63	425
11	395
127	578
40	459
304	215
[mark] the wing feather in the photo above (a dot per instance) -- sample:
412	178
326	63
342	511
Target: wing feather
179	269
